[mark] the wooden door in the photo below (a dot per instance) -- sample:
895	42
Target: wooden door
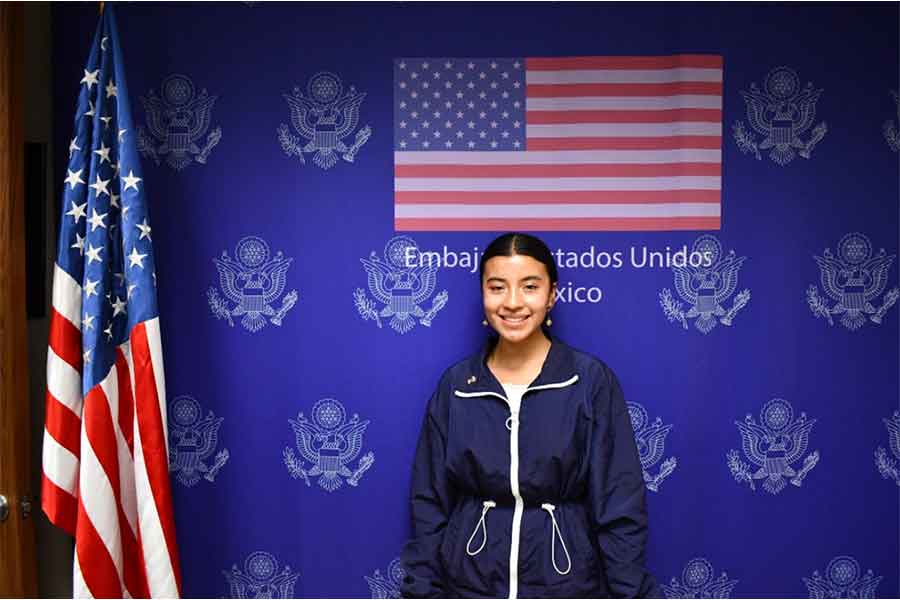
17	550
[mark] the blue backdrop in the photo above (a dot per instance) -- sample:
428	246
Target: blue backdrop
807	348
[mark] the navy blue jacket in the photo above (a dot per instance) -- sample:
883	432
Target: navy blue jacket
580	511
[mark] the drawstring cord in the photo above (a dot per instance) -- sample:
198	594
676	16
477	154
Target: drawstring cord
487	505
550	508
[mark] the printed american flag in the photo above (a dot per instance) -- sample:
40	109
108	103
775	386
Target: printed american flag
105	466
578	144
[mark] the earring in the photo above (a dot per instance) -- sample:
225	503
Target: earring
484	322
549	321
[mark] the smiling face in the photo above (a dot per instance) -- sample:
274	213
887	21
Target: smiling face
517	296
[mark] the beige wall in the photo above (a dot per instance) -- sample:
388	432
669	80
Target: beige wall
54	548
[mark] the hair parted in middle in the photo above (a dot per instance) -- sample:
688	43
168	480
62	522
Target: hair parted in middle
511	244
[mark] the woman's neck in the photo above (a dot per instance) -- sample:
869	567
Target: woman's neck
520	362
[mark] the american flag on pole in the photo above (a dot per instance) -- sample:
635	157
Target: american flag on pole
105	465
570	144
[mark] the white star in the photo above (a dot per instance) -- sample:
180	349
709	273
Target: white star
516	84
403	104
448	124
103	152
118	307
426	85
504	114
125	210
97	220
493	124
459	114
505	134
403	143
459	75
414	75
77	211
114	199
516	124
106	121
94	253
482	134
471	65
131	181
131	289
437	74
145	229
425	124
87	357
504	95
136	258
459	135
111	89
448	65
425	65
402	85
504	75
482	75
74	178
73	146
90	110
402	124
99	186
471	144
90	287
121	133
87	322
402	64
426	143
437	133
471	124
516	65
493	65
108	332
448	144
90	77
470	85
493	143
414	134
516	144
459	95
79	243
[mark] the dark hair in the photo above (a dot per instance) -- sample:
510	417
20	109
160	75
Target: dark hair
511	244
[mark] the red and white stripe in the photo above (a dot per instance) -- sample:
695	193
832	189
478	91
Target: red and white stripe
105	459
612	143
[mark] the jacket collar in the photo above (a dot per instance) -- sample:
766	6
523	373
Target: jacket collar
558	370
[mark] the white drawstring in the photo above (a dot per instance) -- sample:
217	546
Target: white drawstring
550	508
488	505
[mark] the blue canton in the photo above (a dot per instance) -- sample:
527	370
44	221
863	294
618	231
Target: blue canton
453	104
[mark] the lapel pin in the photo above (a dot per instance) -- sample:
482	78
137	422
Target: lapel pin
471	380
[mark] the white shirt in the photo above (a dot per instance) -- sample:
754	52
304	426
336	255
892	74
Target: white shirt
514	392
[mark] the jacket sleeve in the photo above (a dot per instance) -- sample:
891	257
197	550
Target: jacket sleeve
617	494
432	500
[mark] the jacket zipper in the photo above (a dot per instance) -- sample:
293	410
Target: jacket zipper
514	474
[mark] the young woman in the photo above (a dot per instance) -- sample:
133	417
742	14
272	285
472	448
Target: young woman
526	480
